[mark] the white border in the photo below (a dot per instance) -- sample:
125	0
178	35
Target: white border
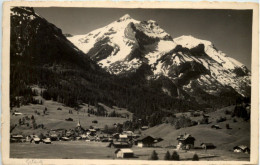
170	5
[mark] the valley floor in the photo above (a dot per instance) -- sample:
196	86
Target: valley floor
99	150
224	139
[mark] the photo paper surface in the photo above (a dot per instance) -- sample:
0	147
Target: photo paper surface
130	82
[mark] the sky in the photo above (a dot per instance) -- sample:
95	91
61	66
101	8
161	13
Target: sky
229	30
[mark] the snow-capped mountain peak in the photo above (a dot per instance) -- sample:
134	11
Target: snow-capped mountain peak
125	17
190	41
126	44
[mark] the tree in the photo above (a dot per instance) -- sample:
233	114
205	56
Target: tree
195	157
167	156
227	126
20	121
119	128
177	125
41	136
154	156
175	156
106	129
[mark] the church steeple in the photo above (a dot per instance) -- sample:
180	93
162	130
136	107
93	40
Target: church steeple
78	125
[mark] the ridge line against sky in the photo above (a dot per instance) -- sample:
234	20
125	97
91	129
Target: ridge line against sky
229	30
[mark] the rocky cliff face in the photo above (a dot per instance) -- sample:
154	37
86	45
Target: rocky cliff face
190	63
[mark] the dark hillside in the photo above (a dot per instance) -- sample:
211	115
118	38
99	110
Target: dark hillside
41	55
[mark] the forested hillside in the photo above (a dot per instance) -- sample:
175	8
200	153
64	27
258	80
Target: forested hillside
41	55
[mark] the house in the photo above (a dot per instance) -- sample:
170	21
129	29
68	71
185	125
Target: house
55	133
16	138
242	148
124	153
54	136
215	126
144	127
206	116
136	136
123	138
115	135
65	139
95	121
69	133
185	141
91	132
46	141
208	145
78	138
69	119
128	133
119	145
147	141
35	139
17	113
83	136
158	139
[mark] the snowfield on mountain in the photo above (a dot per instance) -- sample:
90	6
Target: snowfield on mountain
126	44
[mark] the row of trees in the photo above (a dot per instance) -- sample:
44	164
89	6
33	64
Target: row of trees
175	156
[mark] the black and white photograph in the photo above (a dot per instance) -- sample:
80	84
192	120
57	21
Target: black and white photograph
134	84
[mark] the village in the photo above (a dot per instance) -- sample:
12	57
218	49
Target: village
113	137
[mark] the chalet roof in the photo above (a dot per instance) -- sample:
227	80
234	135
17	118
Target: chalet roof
128	132
184	137
208	144
243	147
83	135
122	136
158	139
17	136
145	137
36	139
205	115
47	140
124	150
92	130
120	143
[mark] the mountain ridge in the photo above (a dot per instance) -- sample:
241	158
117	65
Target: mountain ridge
42	56
126	44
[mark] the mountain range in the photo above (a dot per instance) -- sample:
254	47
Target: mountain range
126	44
128	63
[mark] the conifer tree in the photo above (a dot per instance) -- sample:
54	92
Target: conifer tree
154	156
175	156
195	157
167	156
